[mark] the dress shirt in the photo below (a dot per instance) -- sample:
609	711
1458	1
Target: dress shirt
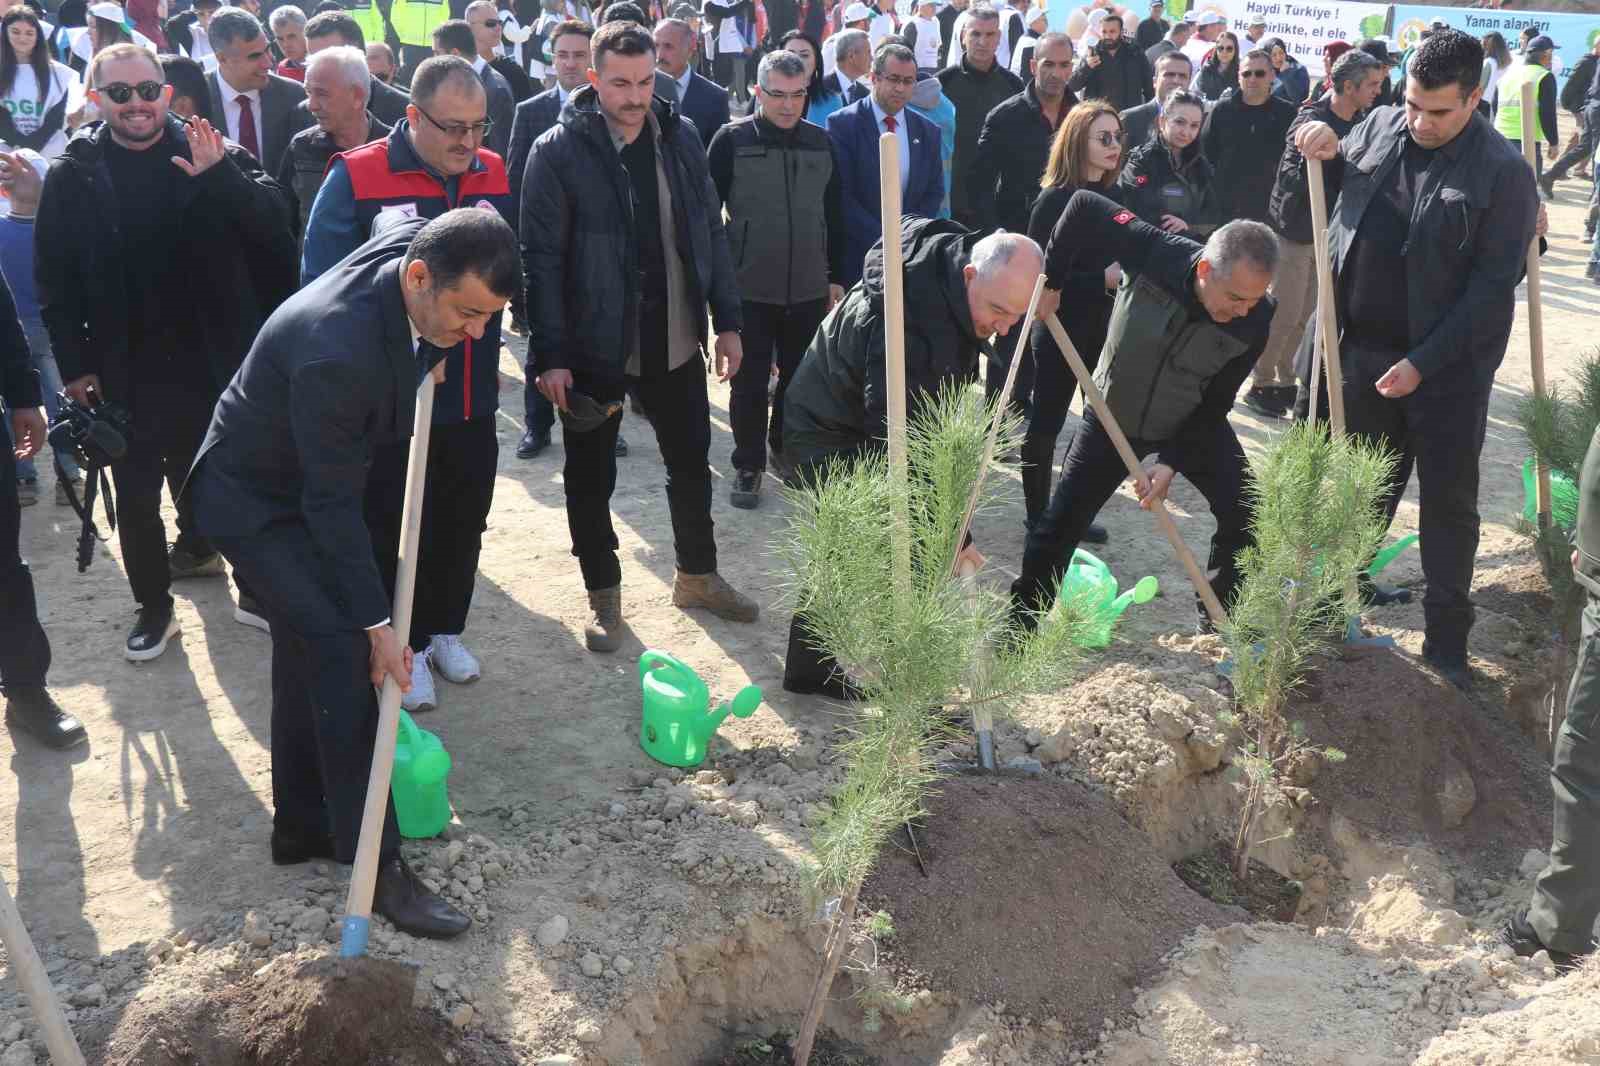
902	137
230	111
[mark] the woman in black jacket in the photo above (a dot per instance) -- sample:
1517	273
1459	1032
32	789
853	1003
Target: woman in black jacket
1168	181
1086	153
1220	71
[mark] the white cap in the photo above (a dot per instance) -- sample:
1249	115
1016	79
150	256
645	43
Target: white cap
1035	13
109	11
1209	18
857	11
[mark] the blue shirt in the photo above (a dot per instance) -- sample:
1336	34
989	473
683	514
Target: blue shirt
16	263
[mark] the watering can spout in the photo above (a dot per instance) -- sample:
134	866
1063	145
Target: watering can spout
743	705
1142	592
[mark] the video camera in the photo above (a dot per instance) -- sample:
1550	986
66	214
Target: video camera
96	435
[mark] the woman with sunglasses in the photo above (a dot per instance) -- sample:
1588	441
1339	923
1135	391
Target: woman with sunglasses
1086	153
1220	70
1168	181
39	98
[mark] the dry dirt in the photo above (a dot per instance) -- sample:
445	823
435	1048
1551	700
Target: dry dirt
630	915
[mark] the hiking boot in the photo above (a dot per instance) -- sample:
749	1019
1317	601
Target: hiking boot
183	563
149	636
27	491
715	595
1521	938
746	492
422	697
532	444
604	631
782	468
32	710
452	659
621	450
1266	401
249	612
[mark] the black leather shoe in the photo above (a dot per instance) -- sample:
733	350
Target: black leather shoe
289	848
35	713
746	492
621	449
1095	534
149	636
837	687
1375	595
401	897
1454	670
1521	938
532	444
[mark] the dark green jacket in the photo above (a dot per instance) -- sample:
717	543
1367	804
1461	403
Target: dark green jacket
1588	530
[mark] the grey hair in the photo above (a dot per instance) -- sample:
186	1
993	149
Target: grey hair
891	49
490	4
349	61
1242	239
783	62
685	31
982	12
848	42
230	25
994	253
1047	39
288	13
1352	67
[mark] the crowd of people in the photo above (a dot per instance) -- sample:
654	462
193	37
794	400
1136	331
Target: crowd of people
257	241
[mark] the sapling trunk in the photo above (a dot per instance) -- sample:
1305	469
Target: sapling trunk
838	943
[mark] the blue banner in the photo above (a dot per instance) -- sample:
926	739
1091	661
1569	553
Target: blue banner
1574	34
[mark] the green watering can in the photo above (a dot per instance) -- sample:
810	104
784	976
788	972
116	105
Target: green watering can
1563	497
421	804
678	720
1091	584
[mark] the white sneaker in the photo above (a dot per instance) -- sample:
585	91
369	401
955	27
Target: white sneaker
421	697
452	659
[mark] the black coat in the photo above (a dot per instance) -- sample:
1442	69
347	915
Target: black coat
533	118
1151	185
1123	79
331	376
579	253
1138	123
974	93
1085	303
1011	154
1150	32
1244	145
240	255
1214	80
1289	207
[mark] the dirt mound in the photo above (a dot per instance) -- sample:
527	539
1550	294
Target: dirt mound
1424	762
1038	894
311	1012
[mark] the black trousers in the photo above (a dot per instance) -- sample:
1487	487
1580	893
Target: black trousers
1583	151
770	331
1440	433
804	664
24	649
681	413
996	369
169	425
324	708
1090	475
462	457
1053	387
540	412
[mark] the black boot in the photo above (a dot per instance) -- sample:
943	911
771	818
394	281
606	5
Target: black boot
32	710
401	897
290	848
1521	938
1452	666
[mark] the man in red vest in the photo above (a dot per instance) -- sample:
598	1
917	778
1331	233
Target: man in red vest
433	161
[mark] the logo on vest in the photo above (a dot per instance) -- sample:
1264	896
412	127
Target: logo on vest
1141	179
392	214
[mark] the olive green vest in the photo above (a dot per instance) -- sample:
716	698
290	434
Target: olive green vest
777	225
1157	361
1587	533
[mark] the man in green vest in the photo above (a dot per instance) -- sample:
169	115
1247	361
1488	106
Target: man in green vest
1533	70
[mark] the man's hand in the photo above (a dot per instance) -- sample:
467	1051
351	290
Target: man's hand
389	658
727	354
1316	140
554	385
969	560
205	145
1153	489
1399	380
1173	224
1093	59
835	294
1541	222
1551	153
1049	303
28	430
18	178
1113	276
79	389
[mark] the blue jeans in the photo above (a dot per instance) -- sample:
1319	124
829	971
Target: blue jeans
50	385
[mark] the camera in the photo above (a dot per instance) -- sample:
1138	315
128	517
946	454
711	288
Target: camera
96	436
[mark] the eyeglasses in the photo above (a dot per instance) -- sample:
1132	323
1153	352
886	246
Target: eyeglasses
121	92
459	131
492	24
1105	138
773	94
1225	49
1252	74
896	80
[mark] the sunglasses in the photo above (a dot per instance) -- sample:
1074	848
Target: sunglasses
1225	49
1105	138
121	92
1252	74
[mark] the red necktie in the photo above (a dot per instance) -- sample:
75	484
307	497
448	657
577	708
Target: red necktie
247	127
888	122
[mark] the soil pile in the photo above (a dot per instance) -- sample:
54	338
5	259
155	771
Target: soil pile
311	1012
1038	895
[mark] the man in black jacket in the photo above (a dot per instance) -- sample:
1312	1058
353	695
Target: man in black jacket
965	290
1114	70
279	486
160	250
1581	97
976	86
1173	71
1152	28
1429	238
777	176
386	101
1205	308
1015	140
623	248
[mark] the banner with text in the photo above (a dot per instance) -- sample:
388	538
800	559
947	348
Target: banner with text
1305	27
1574	34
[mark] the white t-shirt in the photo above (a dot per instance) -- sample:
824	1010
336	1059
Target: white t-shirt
881	26
26	110
928	40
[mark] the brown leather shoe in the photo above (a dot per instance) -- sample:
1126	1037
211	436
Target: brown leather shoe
604	631
715	595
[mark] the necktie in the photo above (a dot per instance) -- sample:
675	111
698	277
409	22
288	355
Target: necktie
677	93
247	126
889	123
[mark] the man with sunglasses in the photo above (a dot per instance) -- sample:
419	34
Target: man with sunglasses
141	224
431	162
455	38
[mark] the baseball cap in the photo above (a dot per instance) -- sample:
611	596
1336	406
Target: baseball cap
1035	13
108	11
1258	20
1542	43
857	11
1209	18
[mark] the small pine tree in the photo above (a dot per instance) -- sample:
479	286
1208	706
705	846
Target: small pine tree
922	655
1316	519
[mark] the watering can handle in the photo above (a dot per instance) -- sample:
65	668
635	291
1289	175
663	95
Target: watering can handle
652	659
413	735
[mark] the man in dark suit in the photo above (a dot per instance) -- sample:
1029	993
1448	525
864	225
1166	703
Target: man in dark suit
1172	71
279	485
698	99
387	102
855	131
454	38
852	62
260	110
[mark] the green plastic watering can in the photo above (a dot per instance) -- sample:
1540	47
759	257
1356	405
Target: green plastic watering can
1091	585
421	765
1563	497
678	721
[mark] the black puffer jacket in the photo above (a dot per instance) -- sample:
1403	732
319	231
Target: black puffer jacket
1244	144
974	93
1152	186
1012	151
837	400
1122	78
578	248
1289	208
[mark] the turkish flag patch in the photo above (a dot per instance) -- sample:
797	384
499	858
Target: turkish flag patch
1122	218
1141	179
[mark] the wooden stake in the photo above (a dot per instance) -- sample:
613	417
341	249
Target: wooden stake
1530	152
894	302
35	984
364	875
1327	314
1108	421
833	953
